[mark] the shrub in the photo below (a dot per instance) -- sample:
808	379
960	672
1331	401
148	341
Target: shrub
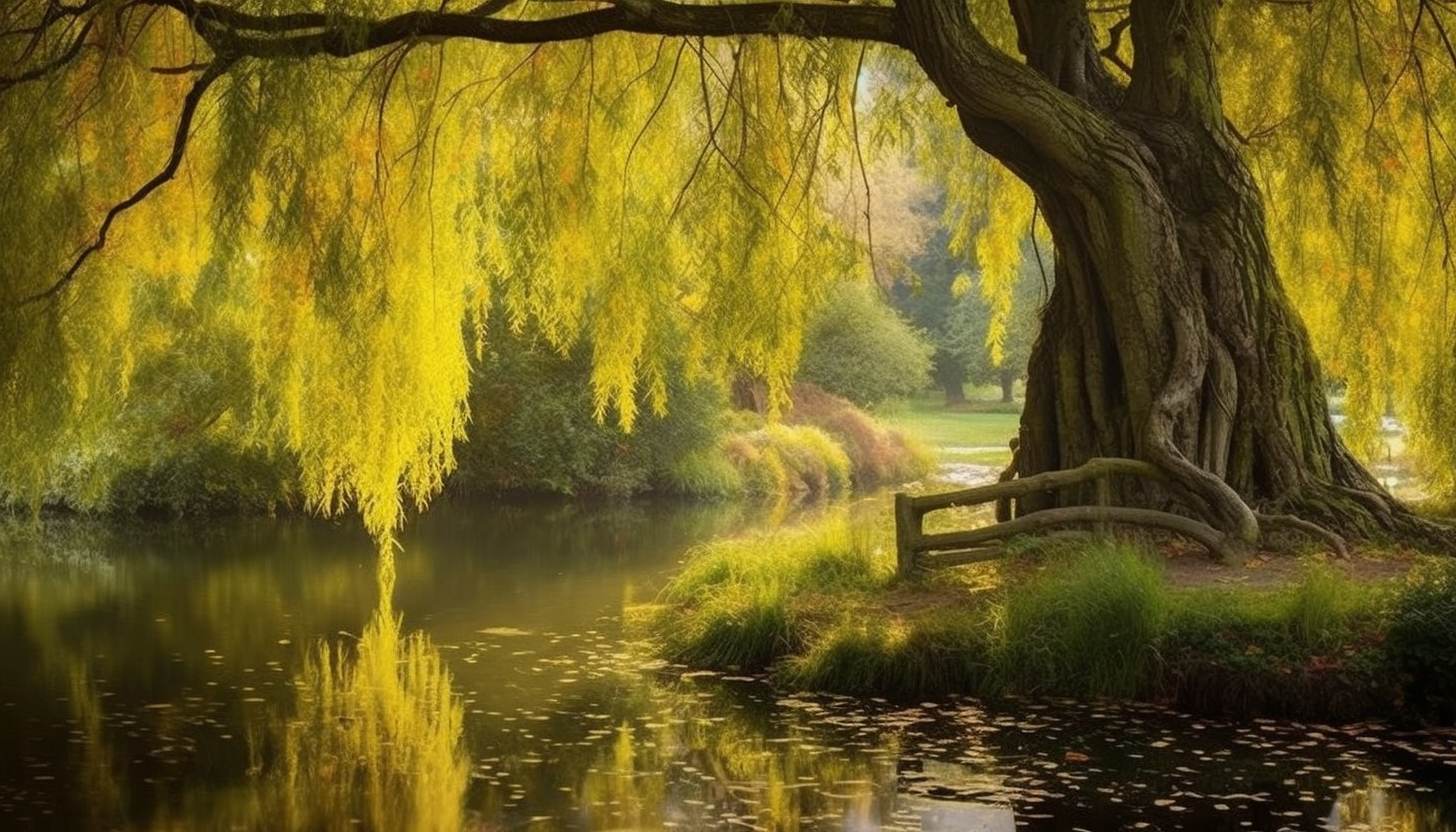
1421	639
857	347
533	429
781	461
816	463
202	478
878	455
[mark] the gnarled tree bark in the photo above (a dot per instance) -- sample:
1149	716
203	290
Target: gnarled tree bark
1168	337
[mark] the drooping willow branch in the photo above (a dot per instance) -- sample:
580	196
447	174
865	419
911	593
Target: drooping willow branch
214	71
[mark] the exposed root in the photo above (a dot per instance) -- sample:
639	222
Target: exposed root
1327	513
1367	514
1289	521
1216	542
1220	503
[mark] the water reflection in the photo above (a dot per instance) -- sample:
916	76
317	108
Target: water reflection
376	735
1379	806
283	677
367	734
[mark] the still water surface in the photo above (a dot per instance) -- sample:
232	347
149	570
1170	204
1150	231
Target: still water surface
171	678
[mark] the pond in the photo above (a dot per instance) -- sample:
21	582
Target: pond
267	675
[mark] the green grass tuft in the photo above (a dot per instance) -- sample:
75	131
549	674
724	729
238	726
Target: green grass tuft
928	419
1088	625
704	474
869	656
746	603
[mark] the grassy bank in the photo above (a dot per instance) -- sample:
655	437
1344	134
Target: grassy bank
819	608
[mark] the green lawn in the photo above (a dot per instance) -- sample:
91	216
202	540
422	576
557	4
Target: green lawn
977	433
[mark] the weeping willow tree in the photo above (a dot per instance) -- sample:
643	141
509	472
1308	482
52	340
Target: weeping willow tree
346	187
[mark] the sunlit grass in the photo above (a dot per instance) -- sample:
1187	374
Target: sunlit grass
977	433
933	423
746	603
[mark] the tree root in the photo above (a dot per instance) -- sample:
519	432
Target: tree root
967	544
1216	542
1315	530
1367	514
1327	513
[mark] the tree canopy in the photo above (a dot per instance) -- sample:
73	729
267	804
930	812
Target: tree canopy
333	195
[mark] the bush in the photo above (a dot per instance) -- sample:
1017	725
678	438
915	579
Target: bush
859	348
775	462
533	429
1421	639
203	478
878	455
816	464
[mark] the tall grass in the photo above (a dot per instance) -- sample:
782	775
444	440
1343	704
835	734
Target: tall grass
1311	650
746	603
878	454
869	655
1087	625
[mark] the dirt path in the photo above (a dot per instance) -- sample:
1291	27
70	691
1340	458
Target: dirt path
1189	567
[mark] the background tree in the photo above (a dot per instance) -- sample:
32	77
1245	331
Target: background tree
377	181
926	295
982	330
532	427
992	351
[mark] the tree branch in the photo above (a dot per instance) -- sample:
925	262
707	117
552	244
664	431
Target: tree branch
6	82
179	147
297	35
1056	38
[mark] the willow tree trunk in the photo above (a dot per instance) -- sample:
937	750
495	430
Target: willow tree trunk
1168	337
1197	364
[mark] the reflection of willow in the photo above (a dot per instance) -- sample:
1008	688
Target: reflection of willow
1376	807
377	737
695	768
